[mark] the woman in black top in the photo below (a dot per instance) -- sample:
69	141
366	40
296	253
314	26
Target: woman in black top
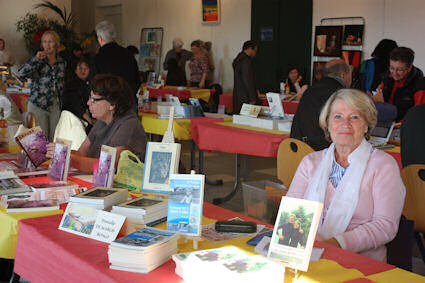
295	82
77	91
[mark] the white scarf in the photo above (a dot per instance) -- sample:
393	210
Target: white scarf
345	198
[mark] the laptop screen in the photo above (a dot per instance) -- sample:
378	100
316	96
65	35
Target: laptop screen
382	129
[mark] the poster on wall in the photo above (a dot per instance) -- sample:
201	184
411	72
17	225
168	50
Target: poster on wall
150	49
353	35
328	41
210	11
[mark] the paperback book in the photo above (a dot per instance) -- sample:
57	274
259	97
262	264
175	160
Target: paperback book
101	198
104	175
294	232
31	205
185	202
145	239
11	184
55	185
34	142
59	164
59	195
162	160
91	223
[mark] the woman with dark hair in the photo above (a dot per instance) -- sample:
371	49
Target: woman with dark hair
198	66
295	83
117	125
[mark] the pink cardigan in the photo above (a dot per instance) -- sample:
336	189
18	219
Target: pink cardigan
376	218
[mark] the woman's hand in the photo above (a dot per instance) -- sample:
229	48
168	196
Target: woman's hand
299	79
50	150
378	97
41	55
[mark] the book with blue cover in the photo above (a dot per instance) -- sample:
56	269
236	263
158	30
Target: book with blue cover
185	201
145	238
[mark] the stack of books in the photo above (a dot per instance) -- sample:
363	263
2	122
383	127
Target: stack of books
31	205
227	264
143	251
147	210
101	198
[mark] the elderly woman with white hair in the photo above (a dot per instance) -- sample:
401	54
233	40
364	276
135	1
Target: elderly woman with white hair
179	54
359	186
47	71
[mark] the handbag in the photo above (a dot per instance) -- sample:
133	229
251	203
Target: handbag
129	172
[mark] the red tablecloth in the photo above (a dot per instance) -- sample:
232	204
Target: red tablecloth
46	254
290	107
161	92
16	97
211	136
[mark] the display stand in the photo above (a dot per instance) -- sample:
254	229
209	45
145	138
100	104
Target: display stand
150	49
169	134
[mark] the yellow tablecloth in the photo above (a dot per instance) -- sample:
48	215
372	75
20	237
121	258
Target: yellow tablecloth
9	229
396	275
153	125
230	124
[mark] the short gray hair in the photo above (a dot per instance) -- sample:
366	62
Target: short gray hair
356	99
177	42
336	67
106	30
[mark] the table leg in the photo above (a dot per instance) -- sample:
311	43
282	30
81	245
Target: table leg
192	155
201	171
246	168
15	278
218	201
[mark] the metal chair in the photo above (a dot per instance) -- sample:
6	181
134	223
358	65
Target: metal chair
289	156
414	179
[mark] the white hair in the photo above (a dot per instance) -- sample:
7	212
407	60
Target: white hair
106	30
177	42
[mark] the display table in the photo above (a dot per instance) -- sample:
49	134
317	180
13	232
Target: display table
47	254
203	94
9	222
20	100
290	107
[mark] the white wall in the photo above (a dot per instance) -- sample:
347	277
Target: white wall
10	12
402	21
182	19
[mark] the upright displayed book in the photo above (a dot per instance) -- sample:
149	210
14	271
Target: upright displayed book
185	201
101	198
91	223
104	175
227	264
31	205
34	142
59	164
161	160
294	232
11	184
142	251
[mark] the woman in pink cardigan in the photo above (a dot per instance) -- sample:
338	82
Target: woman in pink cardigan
360	187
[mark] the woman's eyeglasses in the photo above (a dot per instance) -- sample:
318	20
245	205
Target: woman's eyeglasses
94	99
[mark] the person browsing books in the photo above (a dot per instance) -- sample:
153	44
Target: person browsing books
359	186
117	125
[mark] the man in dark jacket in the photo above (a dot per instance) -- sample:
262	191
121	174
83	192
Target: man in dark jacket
244	85
305	125
402	85
115	59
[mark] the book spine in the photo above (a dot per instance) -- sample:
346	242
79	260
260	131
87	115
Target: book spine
156	222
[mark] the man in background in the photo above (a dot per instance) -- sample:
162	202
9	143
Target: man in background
244	85
305	125
115	59
180	55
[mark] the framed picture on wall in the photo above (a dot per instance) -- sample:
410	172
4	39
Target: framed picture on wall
328	41
353	35
210	11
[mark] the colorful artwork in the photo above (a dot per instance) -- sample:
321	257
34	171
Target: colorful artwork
210	11
34	142
328	41
79	219
353	35
58	162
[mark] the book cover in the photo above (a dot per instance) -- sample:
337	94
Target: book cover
144	49
34	142
99	193
161	160
13	185
91	223
104	174
145	204
185	202
59	164
22	205
54	185
294	232
145	238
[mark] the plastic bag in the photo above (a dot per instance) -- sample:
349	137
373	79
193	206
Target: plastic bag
129	172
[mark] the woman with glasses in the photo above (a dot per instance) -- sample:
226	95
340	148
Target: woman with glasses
117	125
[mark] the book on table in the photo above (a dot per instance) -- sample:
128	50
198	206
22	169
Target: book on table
11	184
59	164
53	185
294	232
143	250
227	264
185	202
101	198
104	175
21	171
161	160
60	195
19	205
34	143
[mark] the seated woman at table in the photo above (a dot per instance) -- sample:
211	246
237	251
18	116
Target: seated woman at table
359	186
295	83
117	125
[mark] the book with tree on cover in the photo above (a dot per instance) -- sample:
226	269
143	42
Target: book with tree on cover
104	174
34	142
59	164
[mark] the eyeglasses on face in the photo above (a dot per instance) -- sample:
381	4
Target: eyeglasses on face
398	70
95	99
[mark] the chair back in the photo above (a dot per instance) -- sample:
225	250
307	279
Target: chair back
28	119
289	156
414	179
